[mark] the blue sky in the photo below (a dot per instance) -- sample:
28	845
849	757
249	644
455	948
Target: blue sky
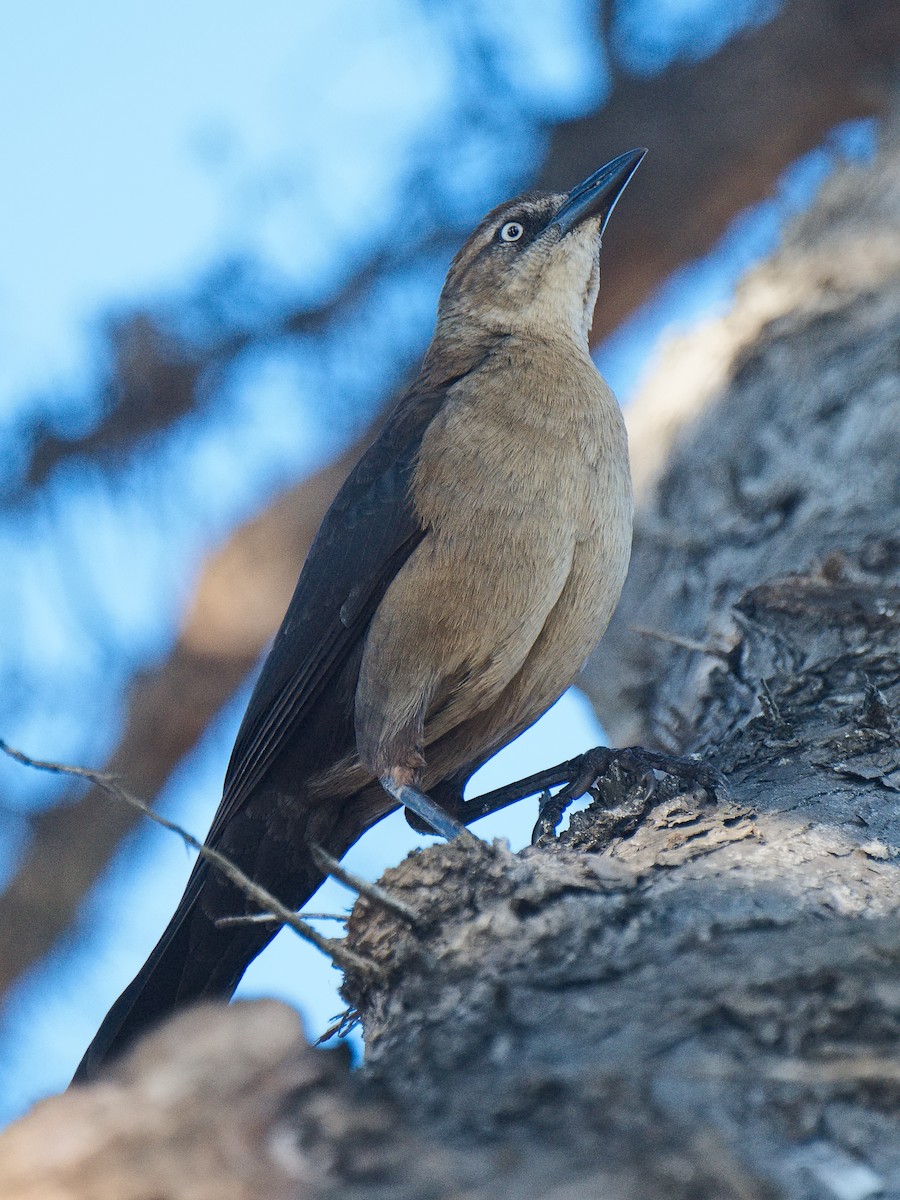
139	141
140	144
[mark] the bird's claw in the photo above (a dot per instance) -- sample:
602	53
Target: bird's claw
690	770
550	813
591	775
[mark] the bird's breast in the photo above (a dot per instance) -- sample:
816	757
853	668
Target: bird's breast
523	480
522	486
530	454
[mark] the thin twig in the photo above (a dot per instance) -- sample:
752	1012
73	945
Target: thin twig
268	918
345	1024
866	1068
269	904
377	895
686	643
855	1069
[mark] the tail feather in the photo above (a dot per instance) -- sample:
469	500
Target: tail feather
194	959
151	994
266	832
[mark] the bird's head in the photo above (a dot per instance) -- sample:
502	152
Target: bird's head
533	264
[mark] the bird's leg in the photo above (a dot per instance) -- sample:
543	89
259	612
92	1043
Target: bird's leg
486	805
538	784
574	773
396	783
580	775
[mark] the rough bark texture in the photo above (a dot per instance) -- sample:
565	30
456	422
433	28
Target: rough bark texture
721	131
681	997
762	445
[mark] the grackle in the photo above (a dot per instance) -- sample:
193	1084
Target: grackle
457	584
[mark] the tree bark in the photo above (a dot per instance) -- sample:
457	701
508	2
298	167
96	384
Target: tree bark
680	997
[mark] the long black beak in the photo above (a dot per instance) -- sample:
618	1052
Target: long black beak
597	196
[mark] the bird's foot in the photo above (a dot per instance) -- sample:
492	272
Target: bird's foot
610	777
551	806
437	819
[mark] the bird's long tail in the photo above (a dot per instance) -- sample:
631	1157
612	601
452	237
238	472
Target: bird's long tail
196	958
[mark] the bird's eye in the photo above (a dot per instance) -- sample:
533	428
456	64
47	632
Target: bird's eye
511	231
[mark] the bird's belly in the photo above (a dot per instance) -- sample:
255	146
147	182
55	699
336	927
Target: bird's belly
582	613
549	563
569	632
496	610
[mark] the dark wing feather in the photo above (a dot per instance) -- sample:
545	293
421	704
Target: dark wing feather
368	533
366	536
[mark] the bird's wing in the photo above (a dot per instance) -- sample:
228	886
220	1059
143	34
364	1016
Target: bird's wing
365	538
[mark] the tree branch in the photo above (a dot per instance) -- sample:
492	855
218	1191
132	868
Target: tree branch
270	905
763	444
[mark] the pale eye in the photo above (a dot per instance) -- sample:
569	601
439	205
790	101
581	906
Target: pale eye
511	231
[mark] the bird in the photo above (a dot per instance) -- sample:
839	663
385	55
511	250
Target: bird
457	584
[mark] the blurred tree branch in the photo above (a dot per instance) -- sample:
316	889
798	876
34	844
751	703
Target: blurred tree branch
721	131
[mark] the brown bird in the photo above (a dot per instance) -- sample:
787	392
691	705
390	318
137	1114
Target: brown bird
463	574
